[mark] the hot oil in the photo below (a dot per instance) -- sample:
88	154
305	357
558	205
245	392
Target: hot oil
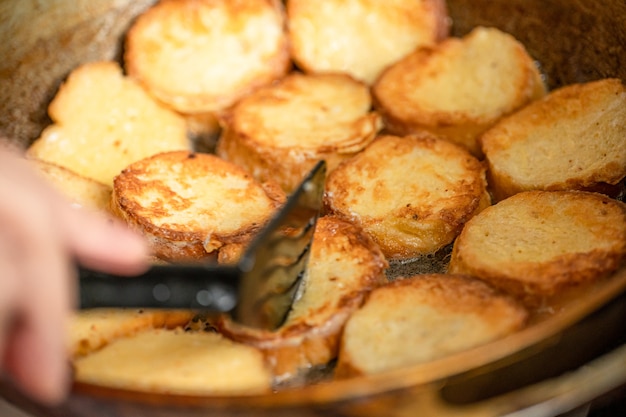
432	263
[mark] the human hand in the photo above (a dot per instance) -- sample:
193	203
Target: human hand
41	237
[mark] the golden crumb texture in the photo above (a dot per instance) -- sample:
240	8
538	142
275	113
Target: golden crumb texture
174	361
296	122
189	205
361	37
81	191
90	330
344	265
574	138
103	121
200	56
537	244
412	194
423	318
459	87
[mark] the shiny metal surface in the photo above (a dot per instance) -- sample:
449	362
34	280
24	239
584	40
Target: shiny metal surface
276	263
258	290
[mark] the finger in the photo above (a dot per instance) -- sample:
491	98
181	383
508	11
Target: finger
97	241
104	243
9	289
35	351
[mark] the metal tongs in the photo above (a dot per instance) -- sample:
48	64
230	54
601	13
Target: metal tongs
258	291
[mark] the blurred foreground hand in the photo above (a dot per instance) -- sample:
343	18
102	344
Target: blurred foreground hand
41	237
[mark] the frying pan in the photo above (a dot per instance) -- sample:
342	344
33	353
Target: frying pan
558	363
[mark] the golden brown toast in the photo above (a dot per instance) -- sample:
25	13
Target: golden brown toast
92	329
537	244
104	121
344	265
80	190
412	194
201	56
189	205
175	361
282	130
574	138
458	88
361	37
423	318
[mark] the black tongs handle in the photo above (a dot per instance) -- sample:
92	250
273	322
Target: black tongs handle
259	289
210	287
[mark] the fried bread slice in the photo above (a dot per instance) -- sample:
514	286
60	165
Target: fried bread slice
458	88
424	318
282	130
344	265
361	37
174	361
104	121
537	244
574	138
92	329
189	205
201	56
82	191
412	194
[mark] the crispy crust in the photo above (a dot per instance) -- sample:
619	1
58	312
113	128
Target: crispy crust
458	88
574	138
414	214
345	264
104	121
361	37
174	361
201	56
92	329
82	191
537	244
189	204
422	318
282	130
